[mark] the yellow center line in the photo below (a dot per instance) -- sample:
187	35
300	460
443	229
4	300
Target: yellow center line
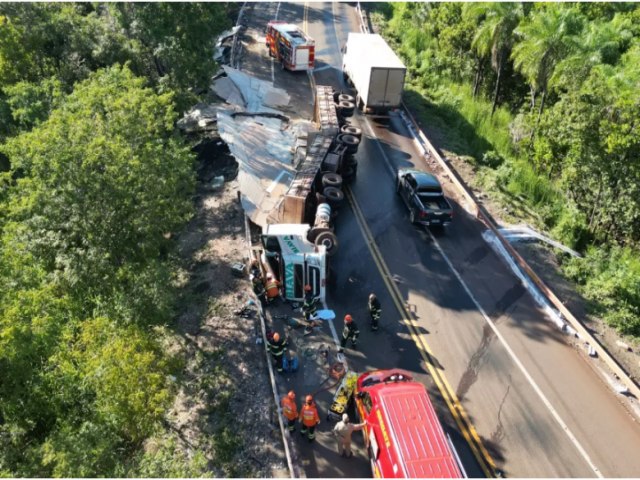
455	407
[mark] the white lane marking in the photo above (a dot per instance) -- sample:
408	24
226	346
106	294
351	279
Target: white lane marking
511	353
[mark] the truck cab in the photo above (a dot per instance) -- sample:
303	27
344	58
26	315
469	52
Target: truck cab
294	260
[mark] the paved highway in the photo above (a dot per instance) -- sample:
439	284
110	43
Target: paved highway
510	390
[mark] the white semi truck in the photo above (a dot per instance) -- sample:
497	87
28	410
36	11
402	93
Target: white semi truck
375	71
295	260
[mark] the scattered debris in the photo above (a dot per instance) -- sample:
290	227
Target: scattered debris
200	118
623	345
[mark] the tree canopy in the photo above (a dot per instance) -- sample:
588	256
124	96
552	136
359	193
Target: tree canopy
553	121
94	182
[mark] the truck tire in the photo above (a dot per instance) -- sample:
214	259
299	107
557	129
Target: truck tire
351	161
333	195
346	109
331	180
315	233
329	240
343	97
350	141
349	175
336	95
351	130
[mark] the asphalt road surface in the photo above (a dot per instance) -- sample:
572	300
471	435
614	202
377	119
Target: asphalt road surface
510	391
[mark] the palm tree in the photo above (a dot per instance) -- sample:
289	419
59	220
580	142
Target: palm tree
495	33
600	43
547	36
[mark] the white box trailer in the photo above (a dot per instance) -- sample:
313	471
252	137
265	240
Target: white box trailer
375	71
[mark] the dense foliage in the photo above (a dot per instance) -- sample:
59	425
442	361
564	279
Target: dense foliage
93	181
544	98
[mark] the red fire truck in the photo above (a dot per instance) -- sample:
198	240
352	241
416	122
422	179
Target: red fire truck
403	435
291	46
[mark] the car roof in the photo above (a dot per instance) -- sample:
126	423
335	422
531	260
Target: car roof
424	179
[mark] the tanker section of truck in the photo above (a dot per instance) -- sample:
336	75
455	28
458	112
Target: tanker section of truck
293	48
300	233
374	70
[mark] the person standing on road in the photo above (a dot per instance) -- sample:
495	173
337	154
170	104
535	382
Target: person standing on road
343	431
375	310
290	410
309	418
277	346
309	306
350	331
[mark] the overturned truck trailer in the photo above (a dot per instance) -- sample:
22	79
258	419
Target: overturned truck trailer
302	236
293	198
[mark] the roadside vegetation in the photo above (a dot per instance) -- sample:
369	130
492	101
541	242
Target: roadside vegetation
94	184
543	99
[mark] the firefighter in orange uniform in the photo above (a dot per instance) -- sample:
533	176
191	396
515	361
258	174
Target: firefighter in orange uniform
290	410
273	288
309	418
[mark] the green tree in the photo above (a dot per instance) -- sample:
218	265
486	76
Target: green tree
176	40
105	180
494	34
545	38
32	102
599	43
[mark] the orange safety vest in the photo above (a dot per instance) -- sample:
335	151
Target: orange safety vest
289	408
309	416
272	288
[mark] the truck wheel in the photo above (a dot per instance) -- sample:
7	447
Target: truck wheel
349	174
331	180
345	98
351	130
329	240
336	95
315	232
351	161
333	195
350	141
346	108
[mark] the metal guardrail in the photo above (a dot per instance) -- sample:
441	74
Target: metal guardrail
480	212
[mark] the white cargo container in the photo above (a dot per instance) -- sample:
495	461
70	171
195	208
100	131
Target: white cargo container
375	71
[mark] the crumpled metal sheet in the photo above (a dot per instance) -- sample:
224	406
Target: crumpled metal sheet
201	117
263	147
250	93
